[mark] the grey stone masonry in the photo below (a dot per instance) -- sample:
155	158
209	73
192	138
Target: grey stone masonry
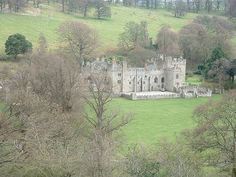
163	74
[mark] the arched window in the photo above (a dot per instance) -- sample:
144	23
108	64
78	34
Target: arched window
155	80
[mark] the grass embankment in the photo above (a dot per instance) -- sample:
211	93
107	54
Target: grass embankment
157	119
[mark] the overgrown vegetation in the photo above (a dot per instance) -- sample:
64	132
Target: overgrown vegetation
57	120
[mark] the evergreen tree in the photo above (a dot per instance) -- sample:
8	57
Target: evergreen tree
17	44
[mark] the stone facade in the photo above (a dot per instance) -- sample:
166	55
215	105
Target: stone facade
162	75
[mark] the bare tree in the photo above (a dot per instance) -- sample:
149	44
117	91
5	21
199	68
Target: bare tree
15	5
178	160
139	162
180	8
167	42
49	139
232	8
220	27
197	5
36	3
79	40
219	71
48	73
216	132
2	4
84	6
39	98
200	38
63	3
103	125
43	45
10	130
195	43
134	35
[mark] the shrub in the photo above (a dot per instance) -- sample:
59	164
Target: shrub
17	44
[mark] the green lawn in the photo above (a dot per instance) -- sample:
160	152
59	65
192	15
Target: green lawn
157	119
49	20
194	80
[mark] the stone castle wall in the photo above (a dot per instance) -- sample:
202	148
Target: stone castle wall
164	74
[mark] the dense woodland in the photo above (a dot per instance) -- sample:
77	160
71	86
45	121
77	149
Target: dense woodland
54	124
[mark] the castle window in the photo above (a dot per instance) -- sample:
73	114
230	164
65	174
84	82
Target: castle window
143	82
119	74
162	80
129	83
177	76
155	80
118	81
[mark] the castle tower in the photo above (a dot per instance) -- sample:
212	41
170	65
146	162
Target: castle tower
175	74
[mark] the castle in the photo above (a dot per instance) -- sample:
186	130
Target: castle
163	74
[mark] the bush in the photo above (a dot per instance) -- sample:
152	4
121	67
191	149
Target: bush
229	85
189	74
17	44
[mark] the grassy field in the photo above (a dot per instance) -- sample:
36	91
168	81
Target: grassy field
157	119
48	20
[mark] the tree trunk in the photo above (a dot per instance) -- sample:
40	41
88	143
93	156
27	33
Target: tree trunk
234	171
1	5
147	4
206	5
63	5
198	6
37	4
85	10
218	5
188	5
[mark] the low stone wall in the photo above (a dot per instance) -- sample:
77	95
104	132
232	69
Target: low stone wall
150	95
185	92
127	95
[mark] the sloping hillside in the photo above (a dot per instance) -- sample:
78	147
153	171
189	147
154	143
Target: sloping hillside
48	20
